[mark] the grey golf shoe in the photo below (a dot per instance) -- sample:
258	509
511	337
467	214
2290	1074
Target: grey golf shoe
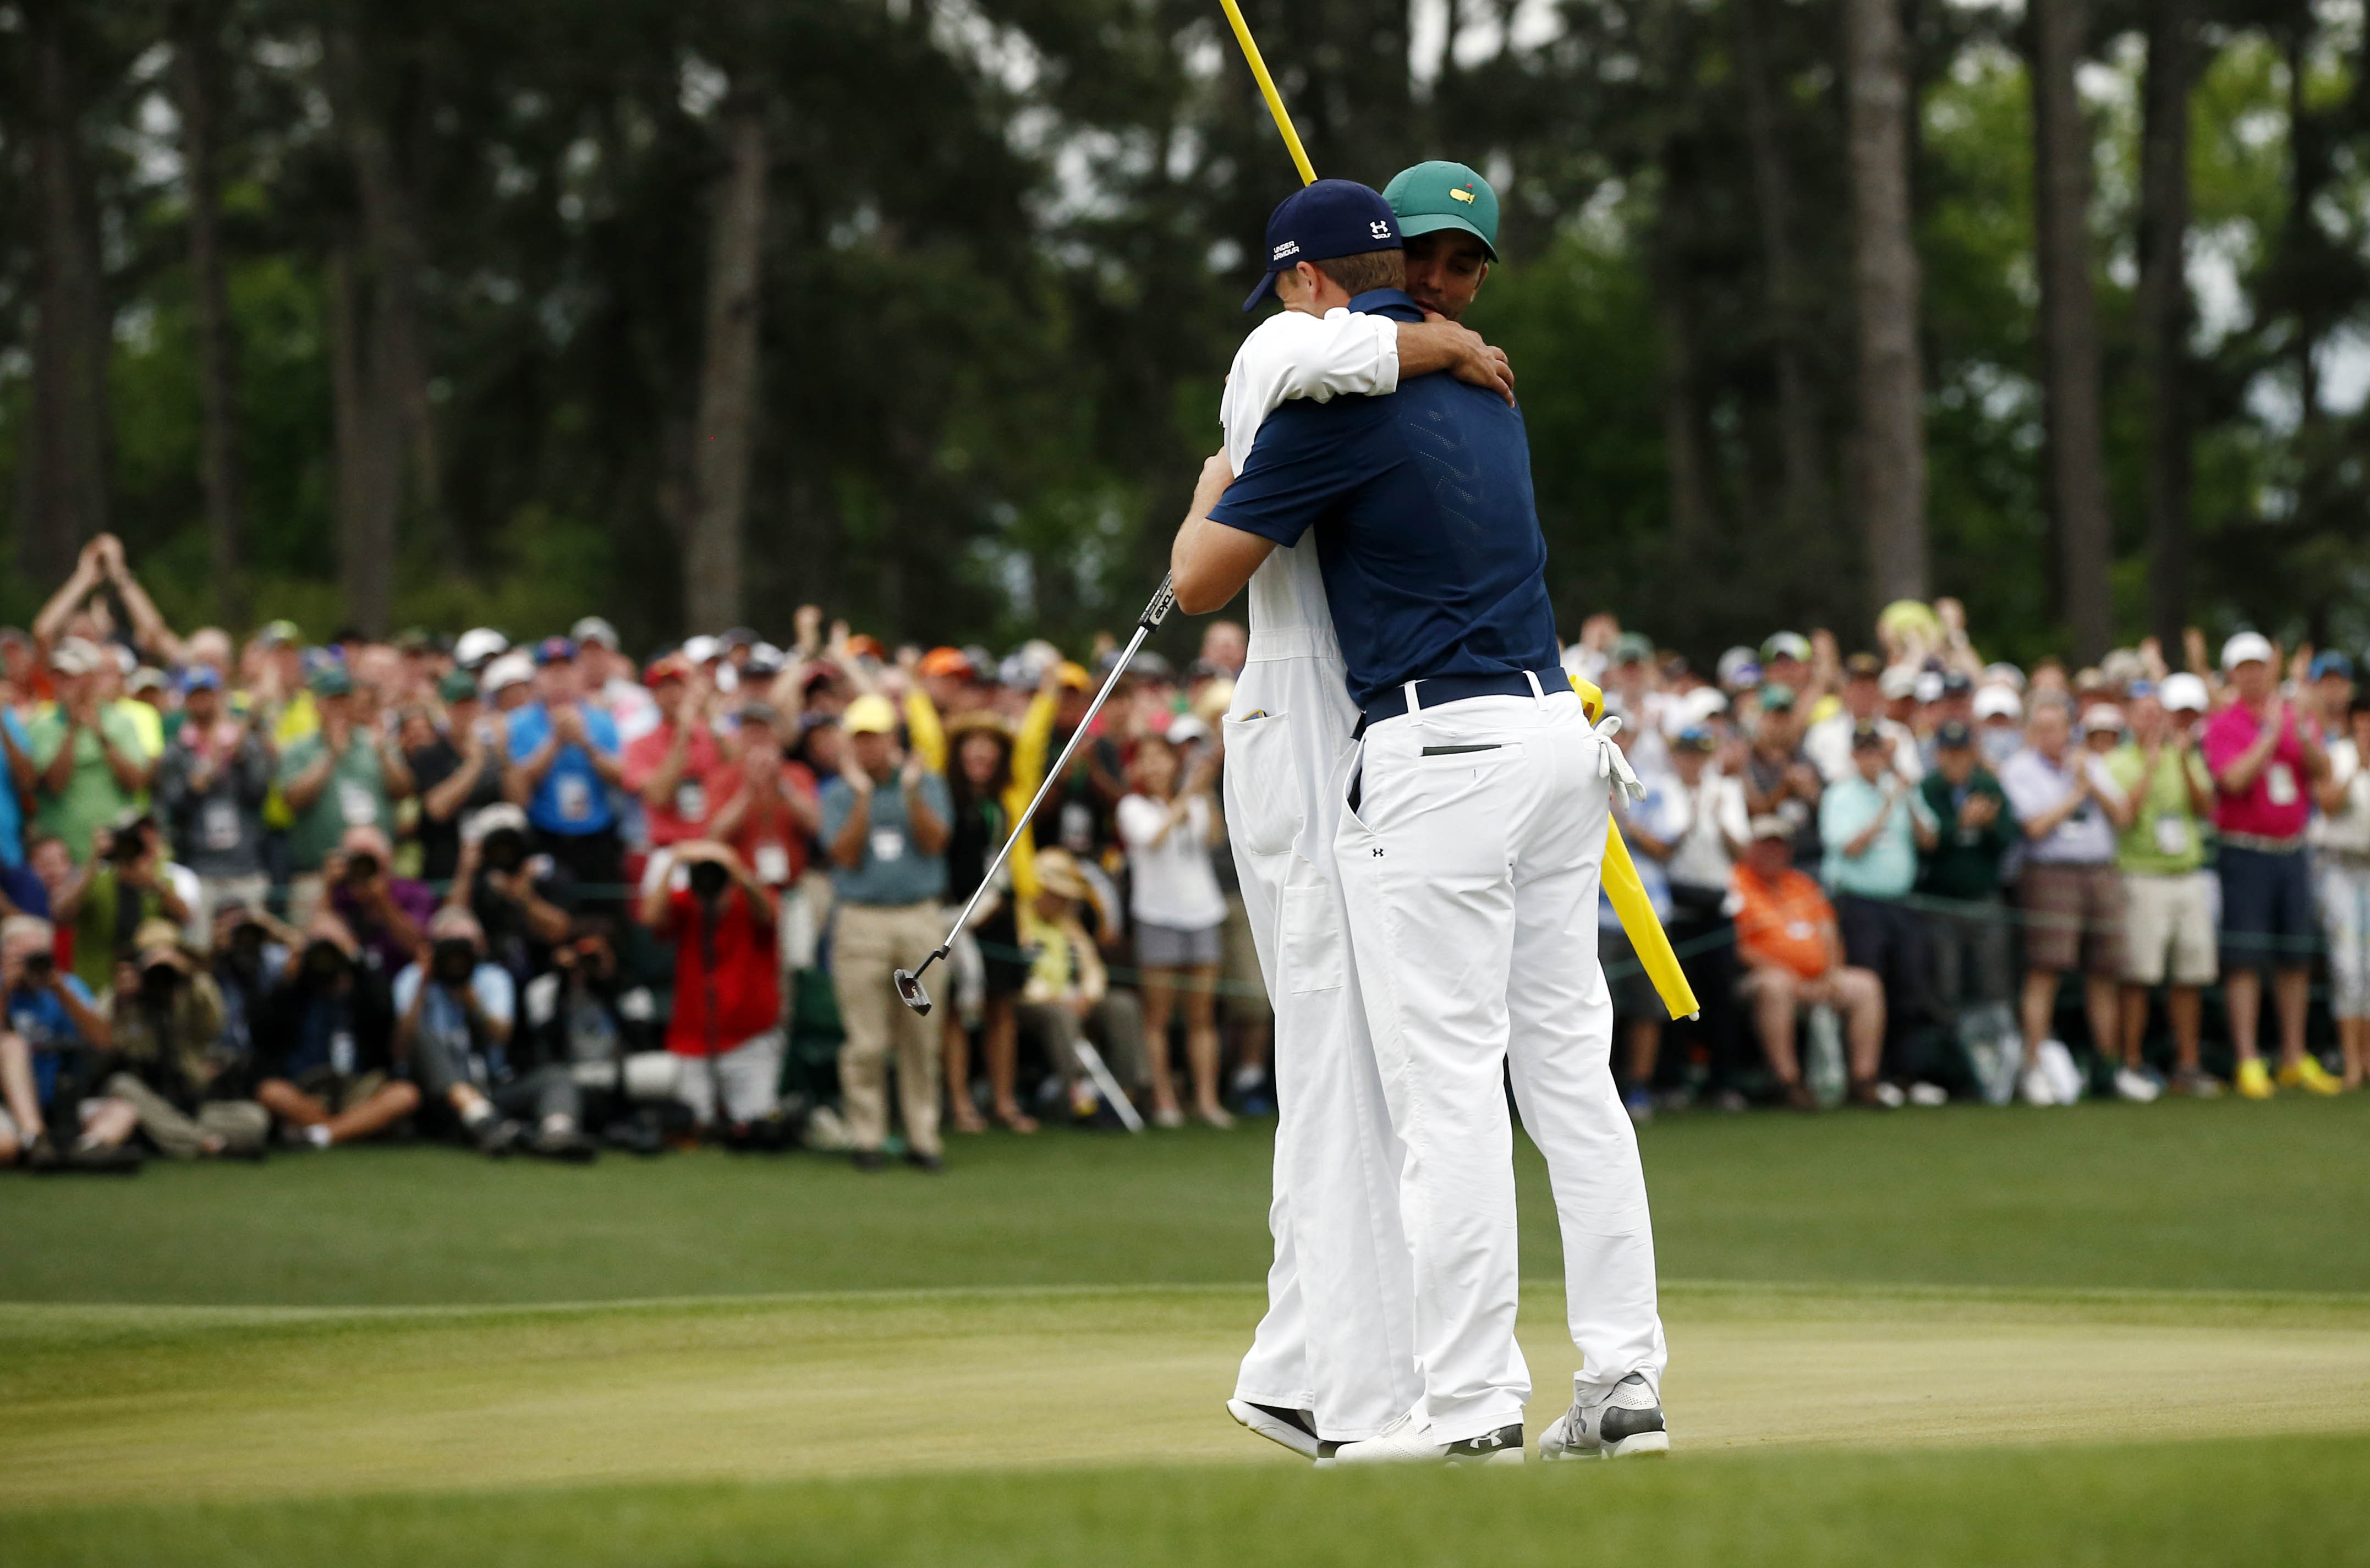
1624	1425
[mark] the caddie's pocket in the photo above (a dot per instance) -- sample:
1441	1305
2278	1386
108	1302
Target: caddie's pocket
1262	796
1315	943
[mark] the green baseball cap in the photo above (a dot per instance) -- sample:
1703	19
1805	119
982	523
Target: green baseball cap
1443	195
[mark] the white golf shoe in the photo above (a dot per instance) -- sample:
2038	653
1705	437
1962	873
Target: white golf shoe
1623	1425
1289	1429
1408	1441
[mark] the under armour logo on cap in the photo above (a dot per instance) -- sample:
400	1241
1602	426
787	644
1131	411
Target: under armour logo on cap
1331	218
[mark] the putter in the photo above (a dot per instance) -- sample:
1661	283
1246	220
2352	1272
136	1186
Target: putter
909	981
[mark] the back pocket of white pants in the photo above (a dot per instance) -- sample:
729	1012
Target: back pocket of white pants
1315	946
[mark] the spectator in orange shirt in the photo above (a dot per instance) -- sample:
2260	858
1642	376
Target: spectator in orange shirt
1794	959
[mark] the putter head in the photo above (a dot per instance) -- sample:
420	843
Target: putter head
910	992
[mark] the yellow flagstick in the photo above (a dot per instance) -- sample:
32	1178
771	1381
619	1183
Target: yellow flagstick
1267	90
1628	894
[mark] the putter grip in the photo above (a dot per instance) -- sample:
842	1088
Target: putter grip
1163	601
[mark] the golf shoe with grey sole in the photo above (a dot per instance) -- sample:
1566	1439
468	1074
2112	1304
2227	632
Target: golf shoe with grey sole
1407	1442
1625	1423
1286	1428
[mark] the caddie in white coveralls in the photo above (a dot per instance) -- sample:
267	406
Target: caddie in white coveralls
1470	854
1333	1360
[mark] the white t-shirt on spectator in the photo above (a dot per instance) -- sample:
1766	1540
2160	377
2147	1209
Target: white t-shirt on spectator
1714	808
2034	786
2347	833
1174	885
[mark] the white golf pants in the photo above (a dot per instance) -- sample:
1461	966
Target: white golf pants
1470	862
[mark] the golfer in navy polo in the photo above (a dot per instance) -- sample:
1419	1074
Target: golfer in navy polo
1470	856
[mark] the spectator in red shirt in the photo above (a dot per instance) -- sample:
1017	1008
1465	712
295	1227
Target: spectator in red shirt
763	805
2265	758
728	1003
673	766
1794	957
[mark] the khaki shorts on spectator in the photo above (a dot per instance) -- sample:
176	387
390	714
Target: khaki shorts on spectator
2168	929
1245	991
2073	918
341	1092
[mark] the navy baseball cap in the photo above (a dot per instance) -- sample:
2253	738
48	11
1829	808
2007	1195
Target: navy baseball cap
1332	217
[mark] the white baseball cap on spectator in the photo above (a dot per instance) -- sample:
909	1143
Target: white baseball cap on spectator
1997	702
509	670
1930	686
2008	675
1897	682
2183	693
2247	647
1770	826
594	629
477	645
701	648
1185	729
1738	668
2102	716
75	656
1698	706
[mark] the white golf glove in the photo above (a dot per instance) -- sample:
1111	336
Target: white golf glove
1612	765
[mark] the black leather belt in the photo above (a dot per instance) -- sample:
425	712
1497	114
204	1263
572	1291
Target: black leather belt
1393	703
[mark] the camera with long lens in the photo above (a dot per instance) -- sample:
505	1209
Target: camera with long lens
159	980
40	966
128	847
505	849
452	961
708	881
362	866
325	959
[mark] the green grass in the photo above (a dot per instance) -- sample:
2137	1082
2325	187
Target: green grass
2161	1506
2177	1195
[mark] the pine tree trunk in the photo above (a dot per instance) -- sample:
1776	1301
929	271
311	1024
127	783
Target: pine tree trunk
1798	413
370	447
2069	329
728	380
1886	284
2164	308
199	81
65	488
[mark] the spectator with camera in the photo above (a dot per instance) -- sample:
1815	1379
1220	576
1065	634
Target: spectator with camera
458	767
522	899
885	825
727	1002
343	776
323	1045
387	914
167	1058
210	790
563	763
592	1013
53	1033
454	1015
122	887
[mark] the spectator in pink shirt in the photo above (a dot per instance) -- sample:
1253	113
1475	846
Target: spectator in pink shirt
2265	757
673	767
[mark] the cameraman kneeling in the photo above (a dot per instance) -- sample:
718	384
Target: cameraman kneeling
728	1005
454	1012
167	1051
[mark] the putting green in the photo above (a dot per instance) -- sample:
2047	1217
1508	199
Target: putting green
119	1404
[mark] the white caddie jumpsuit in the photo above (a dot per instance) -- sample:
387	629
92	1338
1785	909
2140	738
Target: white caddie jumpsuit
1337	1339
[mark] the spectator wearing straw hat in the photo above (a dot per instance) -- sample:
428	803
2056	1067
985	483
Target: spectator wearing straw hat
2266	758
885	827
2168	894
563	764
1069	992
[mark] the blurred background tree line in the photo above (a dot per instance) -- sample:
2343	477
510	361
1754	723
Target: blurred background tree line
411	311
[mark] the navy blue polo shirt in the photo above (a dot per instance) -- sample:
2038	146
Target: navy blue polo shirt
1425	526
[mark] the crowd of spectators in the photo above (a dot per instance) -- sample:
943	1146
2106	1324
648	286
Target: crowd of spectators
543	899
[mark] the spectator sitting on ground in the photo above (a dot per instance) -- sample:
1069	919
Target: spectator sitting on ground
251	953
323	1045
2266	758
1967	923
2071	894
728	1003
564	762
885	825
91	766
166	1055
387	914
211	786
2340	851
344	776
53	1029
1794	957
457	769
454	1012
1068	989
1167	827
2168	894
672	766
523	900
121	888
1873	822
